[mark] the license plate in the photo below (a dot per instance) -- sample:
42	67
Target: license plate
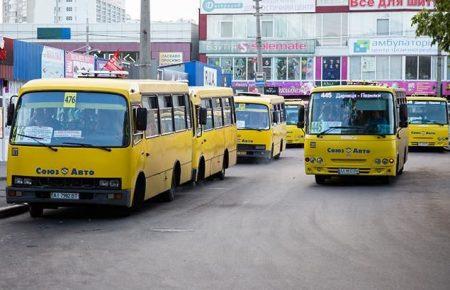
423	144
348	171
65	195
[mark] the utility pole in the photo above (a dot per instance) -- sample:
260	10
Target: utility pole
439	71
144	51
88	48
259	61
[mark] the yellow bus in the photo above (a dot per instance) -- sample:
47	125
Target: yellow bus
428	121
215	138
99	141
295	135
356	130
261	123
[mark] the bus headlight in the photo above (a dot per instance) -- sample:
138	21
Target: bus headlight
312	160
23	181
109	183
18	181
319	160
104	183
385	161
27	181
378	161
260	147
115	183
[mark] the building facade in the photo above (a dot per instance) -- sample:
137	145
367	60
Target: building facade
64	11
309	43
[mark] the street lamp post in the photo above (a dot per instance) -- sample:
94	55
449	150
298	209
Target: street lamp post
259	60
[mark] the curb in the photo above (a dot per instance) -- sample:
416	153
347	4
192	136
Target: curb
13	210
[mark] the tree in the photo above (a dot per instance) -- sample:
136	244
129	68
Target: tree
435	24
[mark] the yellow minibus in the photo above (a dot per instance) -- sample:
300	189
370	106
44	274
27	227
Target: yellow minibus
215	138
261	124
295	135
99	142
356	130
428	121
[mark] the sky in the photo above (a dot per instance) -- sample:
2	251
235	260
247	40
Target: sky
163	10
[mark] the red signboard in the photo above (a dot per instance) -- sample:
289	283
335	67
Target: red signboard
6	51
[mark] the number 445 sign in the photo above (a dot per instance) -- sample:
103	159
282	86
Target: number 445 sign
70	100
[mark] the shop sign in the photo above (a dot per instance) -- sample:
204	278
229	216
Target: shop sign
170	58
291	88
391	46
52	62
268	47
446	88
390	4
247	6
414	87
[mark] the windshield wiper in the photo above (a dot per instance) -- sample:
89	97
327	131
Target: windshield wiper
336	127
88	146
38	140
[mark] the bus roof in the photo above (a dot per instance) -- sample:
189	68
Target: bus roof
426	98
263	99
120	86
352	88
210	91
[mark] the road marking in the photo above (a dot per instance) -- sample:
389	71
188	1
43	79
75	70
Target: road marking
172	230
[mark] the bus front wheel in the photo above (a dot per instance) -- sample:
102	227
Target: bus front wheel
320	179
36	211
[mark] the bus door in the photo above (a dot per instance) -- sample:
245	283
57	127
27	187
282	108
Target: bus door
206	137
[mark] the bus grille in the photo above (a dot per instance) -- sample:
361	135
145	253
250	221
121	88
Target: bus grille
349	161
66	182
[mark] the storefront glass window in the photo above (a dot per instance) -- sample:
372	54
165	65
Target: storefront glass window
424	67
411	68
226	29
251	68
280	66
307	68
239	68
355	68
382	26
448	67
396	68
382	66
267	67
368	67
227	64
331	68
214	61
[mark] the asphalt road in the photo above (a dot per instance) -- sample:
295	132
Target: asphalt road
267	226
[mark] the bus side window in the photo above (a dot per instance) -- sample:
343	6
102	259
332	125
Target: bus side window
227	113
153	124
166	114
188	111
217	110
180	112
283	113
206	103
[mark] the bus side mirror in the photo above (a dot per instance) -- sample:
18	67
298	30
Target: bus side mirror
301	117
403	116
10	114
203	116
141	119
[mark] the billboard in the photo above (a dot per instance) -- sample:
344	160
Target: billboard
76	62
52	62
247	6
391	46
249	47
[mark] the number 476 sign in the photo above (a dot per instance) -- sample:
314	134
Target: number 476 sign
70	100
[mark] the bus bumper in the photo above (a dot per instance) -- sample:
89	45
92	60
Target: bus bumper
254	154
335	171
17	195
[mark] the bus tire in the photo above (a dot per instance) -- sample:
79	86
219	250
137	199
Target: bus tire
139	194
281	150
36	211
221	174
201	171
399	171
320	179
170	194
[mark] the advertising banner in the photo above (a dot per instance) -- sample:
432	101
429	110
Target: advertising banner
414	87
209	76
390	4
249	47
446	88
331	68
170	58
76	62
291	88
52	62
247	6
391	46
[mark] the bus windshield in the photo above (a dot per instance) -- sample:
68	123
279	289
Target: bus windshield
292	114
71	119
427	112
252	116
352	113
